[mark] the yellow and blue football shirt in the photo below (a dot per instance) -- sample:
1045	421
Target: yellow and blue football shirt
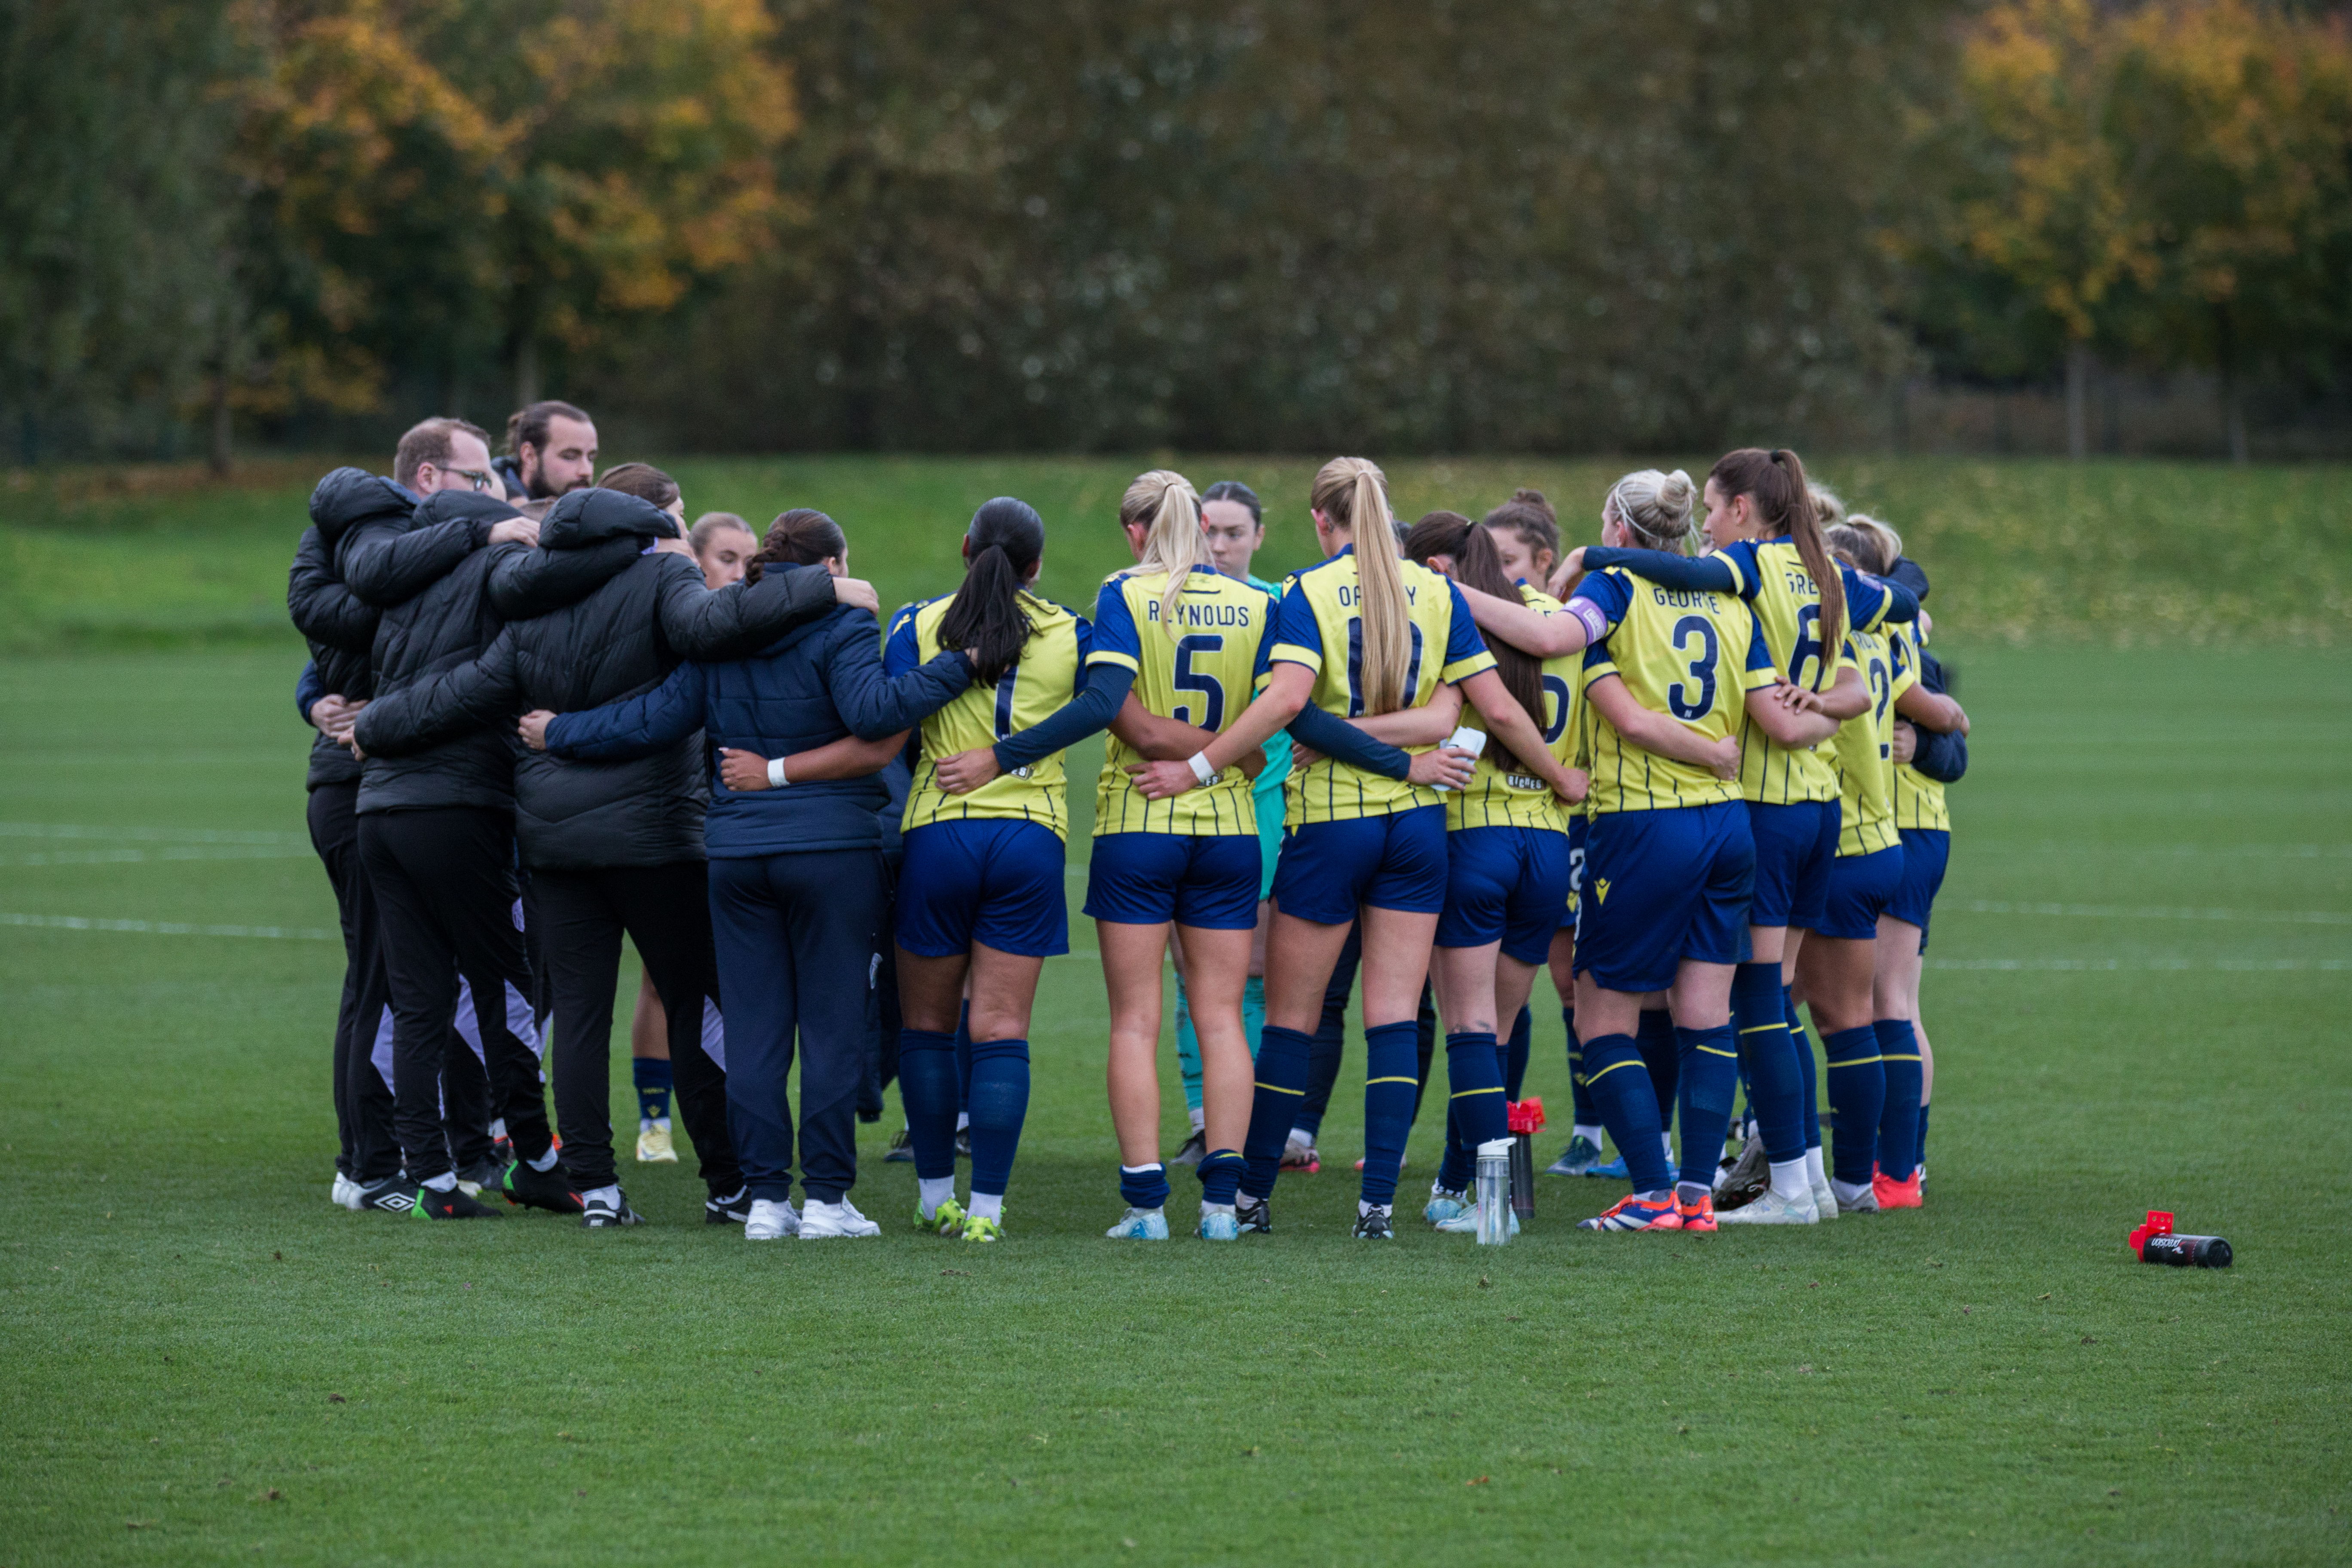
1041	682
1693	654
1863	751
1773	577
1497	797
1202	669
1918	799
1318	626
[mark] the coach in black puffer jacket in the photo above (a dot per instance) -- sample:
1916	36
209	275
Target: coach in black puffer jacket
338	624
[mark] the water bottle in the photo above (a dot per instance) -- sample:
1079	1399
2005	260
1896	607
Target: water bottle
1465	739
1525	1120
1495	1191
2156	1242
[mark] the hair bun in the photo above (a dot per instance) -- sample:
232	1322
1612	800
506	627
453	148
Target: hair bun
1527	495
1676	492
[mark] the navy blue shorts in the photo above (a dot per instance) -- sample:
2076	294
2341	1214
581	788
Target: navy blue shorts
1661	887
1331	869
1146	879
1794	846
1861	888
1507	885
989	880
1926	852
1580	833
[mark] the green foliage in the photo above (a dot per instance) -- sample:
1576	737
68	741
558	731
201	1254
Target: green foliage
203	1357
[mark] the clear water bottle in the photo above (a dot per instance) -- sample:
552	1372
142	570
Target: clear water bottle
1495	1191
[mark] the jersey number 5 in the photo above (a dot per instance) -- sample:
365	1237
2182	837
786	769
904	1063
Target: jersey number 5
1700	668
1211	689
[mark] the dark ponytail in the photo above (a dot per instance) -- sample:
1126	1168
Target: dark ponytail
1002	545
1477	565
1775	481
800	537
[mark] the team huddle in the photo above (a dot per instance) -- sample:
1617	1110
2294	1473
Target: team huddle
1703	789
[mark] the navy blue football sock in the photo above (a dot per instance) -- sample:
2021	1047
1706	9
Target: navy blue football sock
1710	1067
652	1078
1475	1112
963	1060
1629	1108
1514	1055
1898	1123
1759	1020
1662	1057
1282	1066
1390	1091
1220	1172
1322	1069
1920	1145
1424	1046
1586	1113
1809	1093
1000	1103
1143	1187
926	1088
1857	1094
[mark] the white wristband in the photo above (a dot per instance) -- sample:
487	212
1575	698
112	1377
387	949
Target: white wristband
776	779
1199	762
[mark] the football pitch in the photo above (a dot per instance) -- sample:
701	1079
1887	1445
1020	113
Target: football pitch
2138	991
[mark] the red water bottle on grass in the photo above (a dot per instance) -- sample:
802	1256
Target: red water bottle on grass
1526	1119
2156	1242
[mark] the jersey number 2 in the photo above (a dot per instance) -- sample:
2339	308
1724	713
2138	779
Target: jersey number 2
1211	689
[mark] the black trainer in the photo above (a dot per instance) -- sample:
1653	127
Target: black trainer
550	1189
1254	1215
482	1173
1372	1224
397	1195
1195	1149
728	1211
963	1142
902	1148
603	1214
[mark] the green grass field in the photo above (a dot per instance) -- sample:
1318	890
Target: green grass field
2141	969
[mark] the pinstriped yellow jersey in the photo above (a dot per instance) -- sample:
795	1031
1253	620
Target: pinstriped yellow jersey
1317	625
1694	654
1496	797
1044	679
1773	577
1918	799
1204	669
1863	751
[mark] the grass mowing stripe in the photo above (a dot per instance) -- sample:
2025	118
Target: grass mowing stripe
166	927
150	835
2156	912
2147	965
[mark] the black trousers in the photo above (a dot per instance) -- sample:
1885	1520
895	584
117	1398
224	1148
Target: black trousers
799	939
368	1151
444	880
580	916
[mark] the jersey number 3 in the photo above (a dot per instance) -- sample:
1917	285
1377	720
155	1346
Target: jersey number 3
1700	668
1211	689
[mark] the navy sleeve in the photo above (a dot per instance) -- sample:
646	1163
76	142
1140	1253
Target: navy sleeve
308	690
1871	602
1092	710
1943	758
1327	732
902	650
1686	573
874	704
635	728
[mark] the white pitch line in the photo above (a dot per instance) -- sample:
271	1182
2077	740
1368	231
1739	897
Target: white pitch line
2141	851
150	835
2149	912
175	853
2147	965
166	927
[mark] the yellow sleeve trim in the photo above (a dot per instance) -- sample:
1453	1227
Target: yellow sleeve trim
1593	672
1905	679
1464	668
1739	578
1291	653
1107	655
1757	679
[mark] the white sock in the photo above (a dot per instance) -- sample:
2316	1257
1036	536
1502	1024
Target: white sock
988	1205
1815	1173
645	1125
1848	1192
447	1182
1208	1208
611	1194
1667	1140
1363	1208
930	1191
1790	1181
545	1161
1301	1137
963	1120
498	1128
1593	1135
1199	1118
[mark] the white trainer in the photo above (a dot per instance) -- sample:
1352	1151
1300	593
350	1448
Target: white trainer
1771	1208
1825	1203
820	1222
345	1193
772	1219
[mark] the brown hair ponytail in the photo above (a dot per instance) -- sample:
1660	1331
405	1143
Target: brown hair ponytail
1775	481
801	537
1477	565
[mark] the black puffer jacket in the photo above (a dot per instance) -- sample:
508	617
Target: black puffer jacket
339	625
447	620
649	612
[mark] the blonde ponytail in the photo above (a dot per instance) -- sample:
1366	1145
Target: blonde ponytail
1175	542
1353	494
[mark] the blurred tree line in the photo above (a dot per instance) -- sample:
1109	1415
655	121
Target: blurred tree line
881	224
